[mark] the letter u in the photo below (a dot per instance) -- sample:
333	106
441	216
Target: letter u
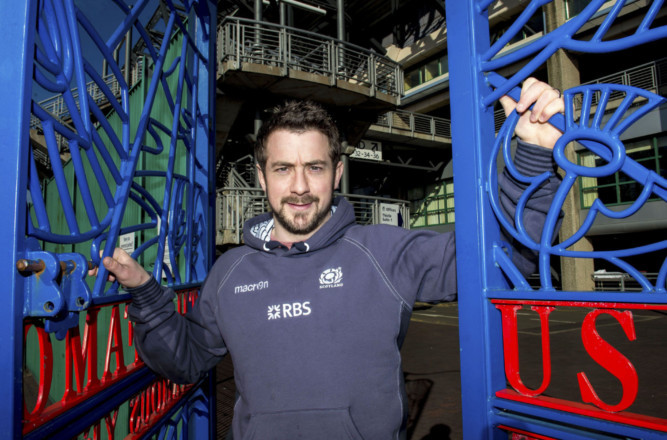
511	347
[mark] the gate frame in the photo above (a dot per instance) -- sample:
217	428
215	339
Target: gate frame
16	70
480	325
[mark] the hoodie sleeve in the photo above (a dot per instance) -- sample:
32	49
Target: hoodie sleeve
422	264
530	160
180	348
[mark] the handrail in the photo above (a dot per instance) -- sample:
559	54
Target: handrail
645	76
56	106
242	40
234	206
416	123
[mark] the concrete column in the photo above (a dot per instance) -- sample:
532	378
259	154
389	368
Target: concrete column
340	19
564	73
345	179
258	10
256	126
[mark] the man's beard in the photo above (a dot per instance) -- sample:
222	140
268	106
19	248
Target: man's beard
291	225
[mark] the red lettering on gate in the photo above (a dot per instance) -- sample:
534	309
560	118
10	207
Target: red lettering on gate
600	351
511	347
152	403
46	369
130	336
114	335
111	420
76	354
610	359
80	359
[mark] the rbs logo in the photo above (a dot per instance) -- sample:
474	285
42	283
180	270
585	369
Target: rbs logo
293	310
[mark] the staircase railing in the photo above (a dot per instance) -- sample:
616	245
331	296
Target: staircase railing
234	206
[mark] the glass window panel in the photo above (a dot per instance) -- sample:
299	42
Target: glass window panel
607	180
411	79
629	192
444	67
607	194
431	70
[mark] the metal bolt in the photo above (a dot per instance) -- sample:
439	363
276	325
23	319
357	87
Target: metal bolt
25	265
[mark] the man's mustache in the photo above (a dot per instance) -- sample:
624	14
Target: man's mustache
294	200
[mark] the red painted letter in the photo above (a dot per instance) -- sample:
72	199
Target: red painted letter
511	348
610	359
114	345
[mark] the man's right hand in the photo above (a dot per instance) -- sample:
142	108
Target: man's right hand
124	269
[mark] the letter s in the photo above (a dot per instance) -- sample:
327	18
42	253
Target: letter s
610	359
306	309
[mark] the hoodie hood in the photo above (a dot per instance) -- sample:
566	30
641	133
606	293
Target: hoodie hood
257	231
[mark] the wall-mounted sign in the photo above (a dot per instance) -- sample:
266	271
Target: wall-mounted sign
370	150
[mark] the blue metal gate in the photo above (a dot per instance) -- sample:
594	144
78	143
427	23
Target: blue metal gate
121	155
496	403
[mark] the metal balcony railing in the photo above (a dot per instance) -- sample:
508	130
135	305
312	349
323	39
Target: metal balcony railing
234	206
248	41
619	281
416	123
650	76
56	106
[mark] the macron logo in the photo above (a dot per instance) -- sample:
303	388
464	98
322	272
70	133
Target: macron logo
331	278
251	287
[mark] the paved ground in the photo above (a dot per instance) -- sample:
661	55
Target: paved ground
432	372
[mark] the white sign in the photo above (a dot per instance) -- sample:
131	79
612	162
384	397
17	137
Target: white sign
389	214
166	260
370	150
126	242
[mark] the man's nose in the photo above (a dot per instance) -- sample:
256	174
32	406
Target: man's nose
300	182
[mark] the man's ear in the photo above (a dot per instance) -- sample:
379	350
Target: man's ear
261	177
338	173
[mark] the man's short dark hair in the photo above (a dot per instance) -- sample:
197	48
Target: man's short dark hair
299	117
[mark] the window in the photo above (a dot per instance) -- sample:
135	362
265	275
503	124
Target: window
534	25
619	188
574	7
435	208
426	71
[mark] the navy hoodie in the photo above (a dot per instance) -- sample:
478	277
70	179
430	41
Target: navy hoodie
315	330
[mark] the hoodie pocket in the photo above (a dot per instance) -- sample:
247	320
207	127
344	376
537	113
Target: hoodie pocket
315	424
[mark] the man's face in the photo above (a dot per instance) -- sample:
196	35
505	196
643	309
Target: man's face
299	180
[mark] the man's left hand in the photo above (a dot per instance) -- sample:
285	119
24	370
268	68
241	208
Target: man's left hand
533	126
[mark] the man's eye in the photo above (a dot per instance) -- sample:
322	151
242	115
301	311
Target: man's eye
281	170
316	168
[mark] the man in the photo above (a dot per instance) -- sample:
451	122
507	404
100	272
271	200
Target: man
314	308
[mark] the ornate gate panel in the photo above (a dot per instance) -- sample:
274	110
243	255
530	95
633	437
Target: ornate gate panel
108	125
494	298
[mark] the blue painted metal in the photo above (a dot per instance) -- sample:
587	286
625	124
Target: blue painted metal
16	72
91	193
484	268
